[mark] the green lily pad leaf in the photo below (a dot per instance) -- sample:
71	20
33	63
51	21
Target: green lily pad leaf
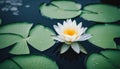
29	62
67	5
8	39
108	59
96	61
113	56
101	13
40	38
20	48
60	10
103	35
15	33
17	28
8	64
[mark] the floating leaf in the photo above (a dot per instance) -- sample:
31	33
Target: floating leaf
8	39
39	37
103	35
113	56
108	59
29	62
17	28
67	5
8	64
101	13
61	9
20	48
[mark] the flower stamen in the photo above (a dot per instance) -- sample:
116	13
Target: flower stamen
70	32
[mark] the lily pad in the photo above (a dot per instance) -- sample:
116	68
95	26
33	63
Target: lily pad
101	13
67	5
96	61
61	9
40	38
103	35
29	62
108	59
82	49
113	56
21	34
17	28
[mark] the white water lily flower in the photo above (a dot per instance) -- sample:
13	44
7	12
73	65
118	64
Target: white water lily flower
70	33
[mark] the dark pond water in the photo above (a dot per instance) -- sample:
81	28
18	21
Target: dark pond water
29	12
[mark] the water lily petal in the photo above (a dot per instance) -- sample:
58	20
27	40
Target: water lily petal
60	25
62	38
74	22
79	25
82	31
74	38
58	38
69	38
57	29
64	48
69	21
70	32
75	47
85	37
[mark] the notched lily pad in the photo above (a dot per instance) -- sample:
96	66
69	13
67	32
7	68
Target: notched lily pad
61	9
101	13
21	47
108	59
17	28
113	56
8	39
29	62
39	37
67	5
103	35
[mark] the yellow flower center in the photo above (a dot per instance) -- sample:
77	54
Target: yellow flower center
70	32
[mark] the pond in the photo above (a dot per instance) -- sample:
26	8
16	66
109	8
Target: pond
27	28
